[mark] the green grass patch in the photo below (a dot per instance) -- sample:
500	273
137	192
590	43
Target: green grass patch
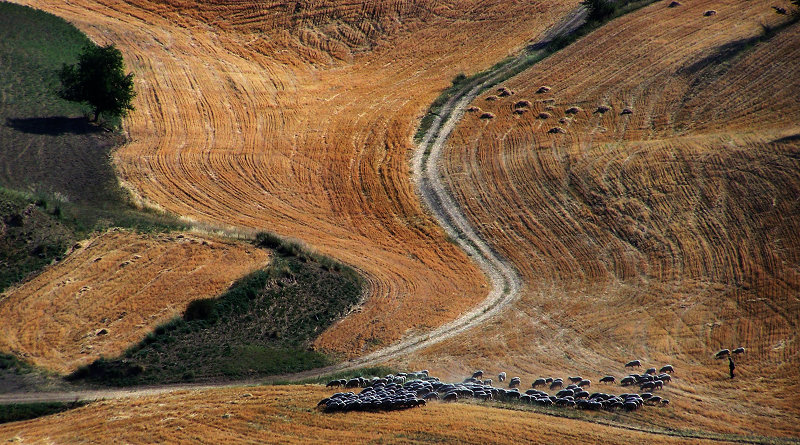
263	325
57	184
24	411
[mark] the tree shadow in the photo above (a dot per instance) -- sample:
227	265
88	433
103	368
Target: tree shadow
53	126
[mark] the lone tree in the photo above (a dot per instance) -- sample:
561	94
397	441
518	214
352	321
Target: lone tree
99	80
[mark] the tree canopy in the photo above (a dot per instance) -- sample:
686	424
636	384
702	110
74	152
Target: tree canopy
99	80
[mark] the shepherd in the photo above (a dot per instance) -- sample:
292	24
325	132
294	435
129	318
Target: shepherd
731	366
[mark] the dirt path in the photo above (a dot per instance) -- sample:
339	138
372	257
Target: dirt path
504	279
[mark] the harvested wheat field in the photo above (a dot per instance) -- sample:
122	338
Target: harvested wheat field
286	414
661	233
112	290
297	118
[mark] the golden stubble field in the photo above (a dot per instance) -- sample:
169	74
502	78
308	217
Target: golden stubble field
286	414
664	234
298	119
112	290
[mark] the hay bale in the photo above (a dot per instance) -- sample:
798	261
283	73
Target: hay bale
544	115
543	89
627	111
473	109
523	104
487	115
573	110
709	13
520	110
491	98
556	130
674	5
602	109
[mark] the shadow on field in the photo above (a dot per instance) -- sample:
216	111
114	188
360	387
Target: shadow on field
53	126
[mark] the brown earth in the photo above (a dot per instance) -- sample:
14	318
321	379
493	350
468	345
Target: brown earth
114	289
316	148
286	414
661	235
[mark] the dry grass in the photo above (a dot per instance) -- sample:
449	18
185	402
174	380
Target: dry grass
234	126
662	235
114	289
286	414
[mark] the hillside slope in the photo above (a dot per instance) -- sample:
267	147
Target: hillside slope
227	133
112	290
664	234
283	414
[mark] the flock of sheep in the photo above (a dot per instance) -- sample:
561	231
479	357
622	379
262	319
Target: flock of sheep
409	390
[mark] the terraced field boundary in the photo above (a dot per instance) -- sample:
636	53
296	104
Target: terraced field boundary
505	280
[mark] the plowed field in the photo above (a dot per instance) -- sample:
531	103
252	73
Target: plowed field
285	414
661	235
247	117
114	289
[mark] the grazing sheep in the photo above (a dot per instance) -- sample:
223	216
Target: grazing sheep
647	386
563	120
542	90
539	382
608	379
491	98
520	111
575	379
626	111
487	115
556	130
473	109
709	13
657	384
477	374
664	402
573	110
674	5
543	115
650	371
333	384
633	364
556	384
549	380
515	382
627	381
585	383
779	10
488	382
739	350
501	377
666	368
602	109
665	378
722	353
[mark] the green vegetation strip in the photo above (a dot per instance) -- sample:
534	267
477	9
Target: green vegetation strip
263	325
513	65
57	184
24	411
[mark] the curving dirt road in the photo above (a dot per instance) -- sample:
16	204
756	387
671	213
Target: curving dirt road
505	281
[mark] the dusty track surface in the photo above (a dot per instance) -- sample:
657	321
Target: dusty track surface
114	289
662	235
282	414
316	147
